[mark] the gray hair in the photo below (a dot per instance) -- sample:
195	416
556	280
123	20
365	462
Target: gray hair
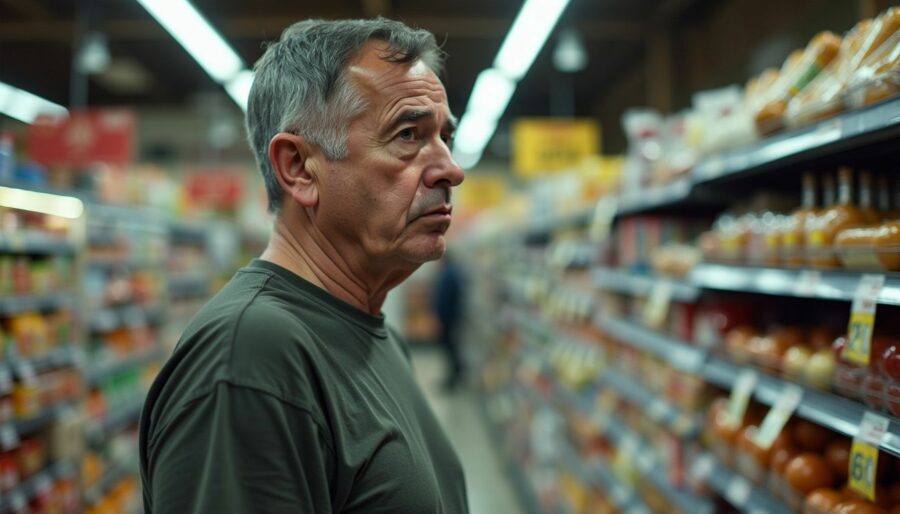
300	85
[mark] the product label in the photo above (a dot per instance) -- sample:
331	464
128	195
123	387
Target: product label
862	320
778	416
790	240
657	308
740	397
864	454
817	238
807	77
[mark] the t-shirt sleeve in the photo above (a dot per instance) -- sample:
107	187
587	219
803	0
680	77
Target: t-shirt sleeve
240	450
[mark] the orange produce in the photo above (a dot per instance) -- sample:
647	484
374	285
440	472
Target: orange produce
821	501
807	472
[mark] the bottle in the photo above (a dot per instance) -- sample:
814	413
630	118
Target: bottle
866	203
843	214
795	226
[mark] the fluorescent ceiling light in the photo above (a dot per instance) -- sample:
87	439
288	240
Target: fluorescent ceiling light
239	88
24	106
527	36
473	133
491	94
56	205
195	34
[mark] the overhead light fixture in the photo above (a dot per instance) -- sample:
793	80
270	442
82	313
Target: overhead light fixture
47	203
24	106
569	56
196	35
93	55
527	36
491	94
495	86
239	88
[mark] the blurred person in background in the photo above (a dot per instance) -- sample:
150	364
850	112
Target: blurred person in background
447	303
287	393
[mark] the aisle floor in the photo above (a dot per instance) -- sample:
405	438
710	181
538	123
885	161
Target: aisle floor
490	491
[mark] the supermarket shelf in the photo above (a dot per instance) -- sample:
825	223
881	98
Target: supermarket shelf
115	421
132	263
44	418
191	233
657	409
29	489
97	372
826	285
839	414
111	477
34	244
63	356
680	355
105	320
190	284
595	472
12	305
653	198
735	489
853	129
641	284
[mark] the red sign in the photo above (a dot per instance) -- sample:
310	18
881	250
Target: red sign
214	188
83	138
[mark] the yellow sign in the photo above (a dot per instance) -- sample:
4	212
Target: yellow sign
863	463
481	191
542	146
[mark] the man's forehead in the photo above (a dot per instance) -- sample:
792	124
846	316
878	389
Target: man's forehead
370	70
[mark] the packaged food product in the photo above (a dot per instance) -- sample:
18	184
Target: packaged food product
798	71
878	75
887	245
793	230
844	214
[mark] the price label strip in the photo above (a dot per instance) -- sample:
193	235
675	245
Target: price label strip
862	319
808	282
864	454
657	308
740	397
778	416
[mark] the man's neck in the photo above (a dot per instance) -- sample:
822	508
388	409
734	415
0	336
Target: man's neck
306	252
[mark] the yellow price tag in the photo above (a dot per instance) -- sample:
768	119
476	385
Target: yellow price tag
860	338
864	454
862	319
657	309
863	463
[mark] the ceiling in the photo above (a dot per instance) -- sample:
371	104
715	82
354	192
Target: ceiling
149	69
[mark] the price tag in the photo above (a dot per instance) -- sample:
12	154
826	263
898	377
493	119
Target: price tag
703	467
808	283
778	416
740	397
657	308
601	223
738	492
864	454
862	320
9	437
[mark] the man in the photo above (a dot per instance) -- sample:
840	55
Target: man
448	305
287	393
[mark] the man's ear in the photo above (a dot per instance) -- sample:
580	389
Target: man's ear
294	162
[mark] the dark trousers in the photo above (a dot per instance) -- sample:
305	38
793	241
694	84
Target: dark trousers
449	342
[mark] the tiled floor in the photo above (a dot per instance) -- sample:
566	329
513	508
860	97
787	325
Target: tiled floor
489	489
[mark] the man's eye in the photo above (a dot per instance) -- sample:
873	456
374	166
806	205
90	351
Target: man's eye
407	134
446	138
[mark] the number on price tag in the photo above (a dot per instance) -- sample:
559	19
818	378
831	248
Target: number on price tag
864	454
657	309
862	320
9	437
740	397
778	416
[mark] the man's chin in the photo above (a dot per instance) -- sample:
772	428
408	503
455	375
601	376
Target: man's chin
426	248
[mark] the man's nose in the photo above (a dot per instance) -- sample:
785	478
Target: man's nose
443	171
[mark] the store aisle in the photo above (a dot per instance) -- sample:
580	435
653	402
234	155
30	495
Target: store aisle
489	489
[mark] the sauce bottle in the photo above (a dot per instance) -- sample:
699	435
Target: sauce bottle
841	215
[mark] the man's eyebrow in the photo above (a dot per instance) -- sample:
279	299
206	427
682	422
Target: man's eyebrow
410	115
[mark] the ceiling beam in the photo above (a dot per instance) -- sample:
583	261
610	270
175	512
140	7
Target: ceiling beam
270	28
27	8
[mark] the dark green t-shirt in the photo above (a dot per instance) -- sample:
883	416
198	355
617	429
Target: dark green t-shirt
280	398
